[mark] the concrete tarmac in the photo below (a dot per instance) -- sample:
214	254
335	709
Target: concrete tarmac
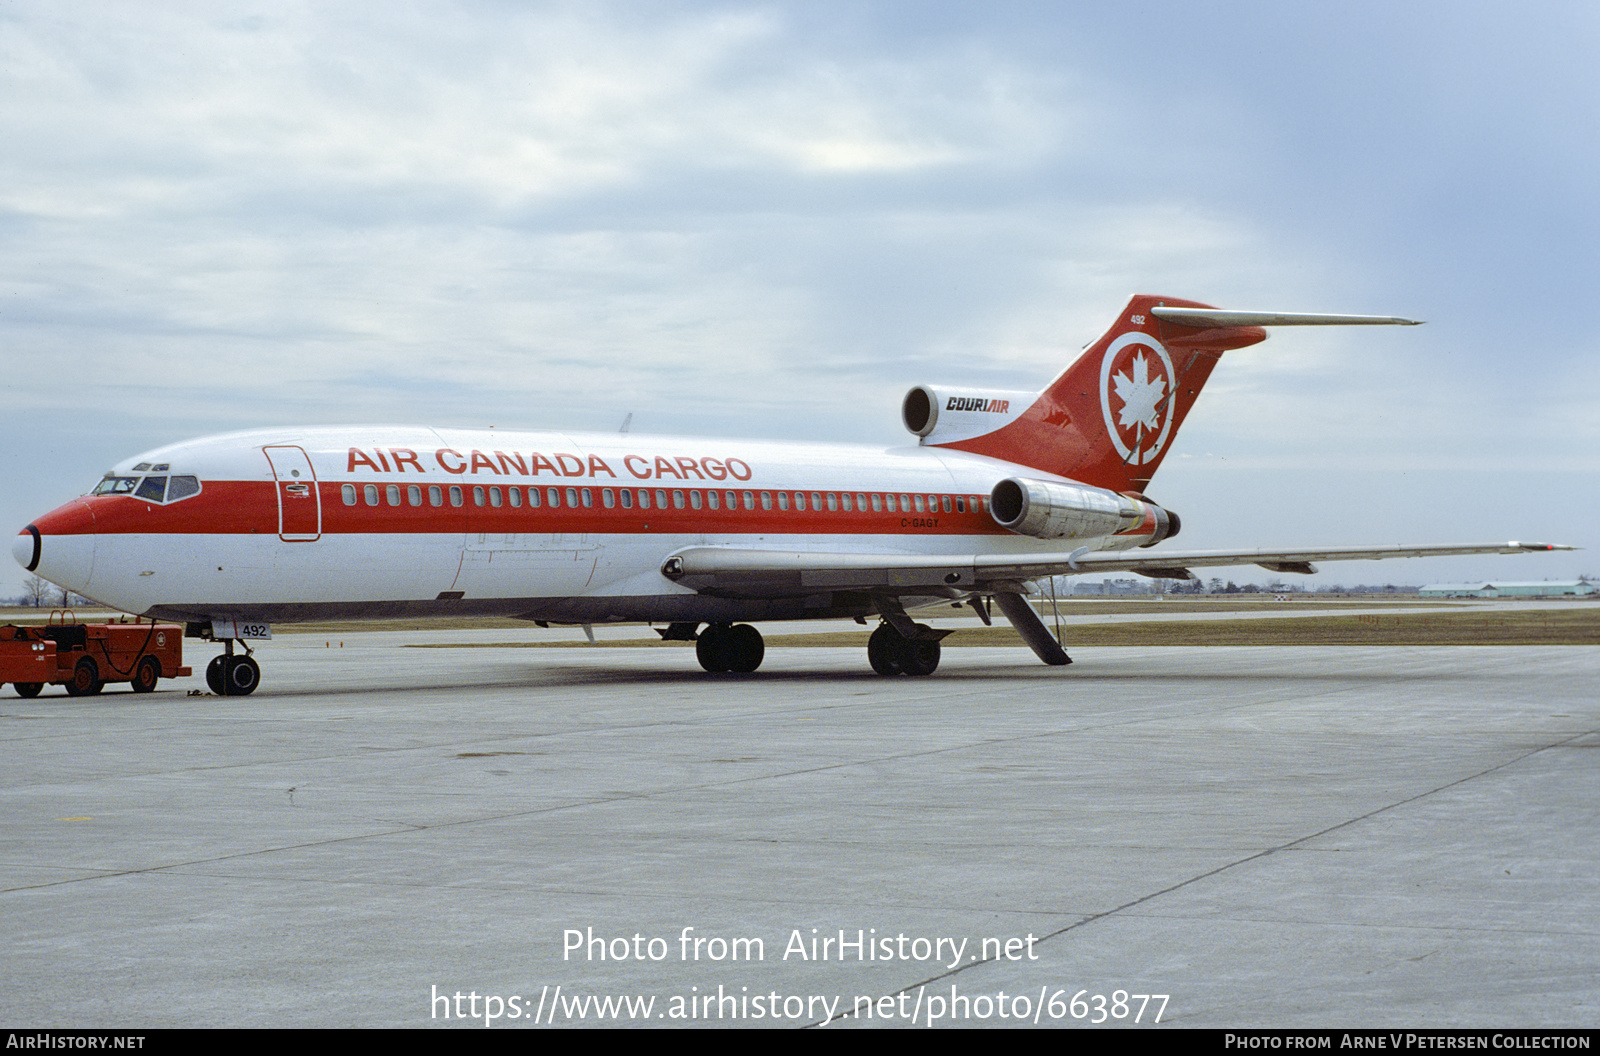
1329	837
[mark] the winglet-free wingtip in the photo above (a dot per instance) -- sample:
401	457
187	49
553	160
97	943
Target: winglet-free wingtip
1539	547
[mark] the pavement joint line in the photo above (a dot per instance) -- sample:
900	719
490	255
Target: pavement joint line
1268	852
406	828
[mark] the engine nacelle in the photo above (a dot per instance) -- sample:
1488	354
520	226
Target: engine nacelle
941	414
1048	509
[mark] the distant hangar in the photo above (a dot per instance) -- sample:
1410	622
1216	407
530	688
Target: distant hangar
1501	589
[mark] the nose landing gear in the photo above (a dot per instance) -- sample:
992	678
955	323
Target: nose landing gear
233	676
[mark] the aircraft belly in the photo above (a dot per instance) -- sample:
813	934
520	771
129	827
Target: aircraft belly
250	573
585	577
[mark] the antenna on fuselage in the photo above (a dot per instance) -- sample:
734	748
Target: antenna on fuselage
626	422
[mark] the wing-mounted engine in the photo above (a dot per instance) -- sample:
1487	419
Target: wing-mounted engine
941	414
1048	509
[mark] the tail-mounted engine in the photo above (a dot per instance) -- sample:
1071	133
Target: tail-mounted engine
1048	509
940	415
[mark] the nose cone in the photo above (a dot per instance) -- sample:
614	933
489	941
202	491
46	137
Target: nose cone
25	548
59	546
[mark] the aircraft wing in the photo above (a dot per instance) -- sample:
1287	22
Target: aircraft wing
753	573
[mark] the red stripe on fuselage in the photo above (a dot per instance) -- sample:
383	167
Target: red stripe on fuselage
251	508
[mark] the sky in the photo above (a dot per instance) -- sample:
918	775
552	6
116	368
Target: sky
773	219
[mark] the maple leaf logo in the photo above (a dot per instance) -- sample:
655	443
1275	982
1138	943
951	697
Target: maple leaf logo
1141	396
1138	429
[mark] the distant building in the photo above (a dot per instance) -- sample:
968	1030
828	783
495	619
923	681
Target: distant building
1483	589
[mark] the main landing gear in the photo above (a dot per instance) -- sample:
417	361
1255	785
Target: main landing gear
723	647
233	676
738	648
891	653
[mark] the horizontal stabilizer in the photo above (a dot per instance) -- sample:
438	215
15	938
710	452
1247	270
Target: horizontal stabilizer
1215	317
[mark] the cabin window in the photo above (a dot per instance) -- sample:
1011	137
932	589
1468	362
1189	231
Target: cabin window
713	500
877	503
661	499
608	498
917	500
946	501
783	500
533	498
677	500
494	497
457	497
833	502
799	500
749	500
766	500
435	495
348	492
514	495
414	494
572	498
392	493
552	498
627	498
644	498
478	497
370	491
694	499
732	498
588	498
961	504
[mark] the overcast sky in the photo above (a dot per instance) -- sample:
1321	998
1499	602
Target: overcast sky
773	219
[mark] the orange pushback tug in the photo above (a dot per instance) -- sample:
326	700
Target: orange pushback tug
83	657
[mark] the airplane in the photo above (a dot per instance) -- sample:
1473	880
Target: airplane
232	533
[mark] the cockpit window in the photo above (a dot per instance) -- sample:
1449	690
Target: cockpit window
182	488
151	489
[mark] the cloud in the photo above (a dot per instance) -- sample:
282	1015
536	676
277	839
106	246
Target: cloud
776	218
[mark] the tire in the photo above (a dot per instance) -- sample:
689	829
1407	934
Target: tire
884	649
85	680
146	674
920	656
241	676
214	676
712	649
746	649
28	689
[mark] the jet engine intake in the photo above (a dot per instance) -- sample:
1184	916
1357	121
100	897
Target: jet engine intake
1048	509
939	415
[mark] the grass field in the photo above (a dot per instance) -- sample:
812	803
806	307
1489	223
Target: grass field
1235	622
1579	625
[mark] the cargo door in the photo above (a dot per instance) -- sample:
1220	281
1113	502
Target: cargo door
299	502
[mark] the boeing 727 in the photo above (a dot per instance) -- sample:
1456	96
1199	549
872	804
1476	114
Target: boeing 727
229	534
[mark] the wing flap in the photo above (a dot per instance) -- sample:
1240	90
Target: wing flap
752	573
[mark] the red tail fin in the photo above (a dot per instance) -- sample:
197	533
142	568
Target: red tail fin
1109	419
